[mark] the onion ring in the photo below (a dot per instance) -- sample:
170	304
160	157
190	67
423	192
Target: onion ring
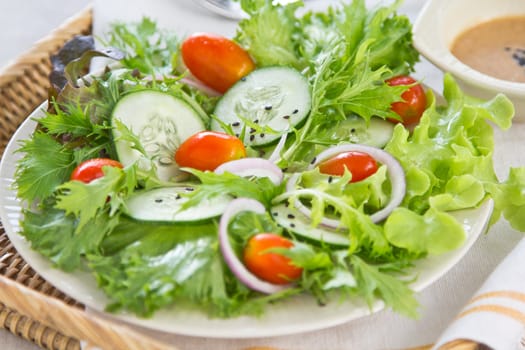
396	175
276	154
236	266
258	167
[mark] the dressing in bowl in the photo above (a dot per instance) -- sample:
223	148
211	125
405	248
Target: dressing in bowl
439	35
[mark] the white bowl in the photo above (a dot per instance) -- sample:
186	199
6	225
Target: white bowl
438	25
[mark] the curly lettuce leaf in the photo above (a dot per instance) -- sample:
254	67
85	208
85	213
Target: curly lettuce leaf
45	165
395	293
276	35
86	200
269	35
449	143
174	265
509	197
54	234
435	232
448	162
147	48
212	184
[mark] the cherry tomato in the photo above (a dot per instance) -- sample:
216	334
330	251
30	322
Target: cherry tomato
271	267
206	150
415	101
215	60
91	169
360	164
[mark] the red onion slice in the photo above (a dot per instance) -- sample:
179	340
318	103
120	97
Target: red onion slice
236	266
395	173
276	154
258	167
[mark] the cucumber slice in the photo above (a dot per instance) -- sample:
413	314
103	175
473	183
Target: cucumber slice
164	205
294	221
161	122
355	130
275	97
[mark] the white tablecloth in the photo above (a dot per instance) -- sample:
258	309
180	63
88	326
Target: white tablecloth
385	330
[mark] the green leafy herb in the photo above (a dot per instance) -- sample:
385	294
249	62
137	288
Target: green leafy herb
45	165
260	189
148	49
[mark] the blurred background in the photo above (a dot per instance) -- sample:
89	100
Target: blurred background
26	21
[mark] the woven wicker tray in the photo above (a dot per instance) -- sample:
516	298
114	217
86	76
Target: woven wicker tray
30	307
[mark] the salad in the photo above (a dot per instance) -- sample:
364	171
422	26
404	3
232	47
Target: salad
298	157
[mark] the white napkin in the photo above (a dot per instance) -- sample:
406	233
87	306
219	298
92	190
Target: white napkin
495	316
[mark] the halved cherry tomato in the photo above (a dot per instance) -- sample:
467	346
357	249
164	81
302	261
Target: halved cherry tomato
271	267
206	150
91	169
360	164
415	101
215	60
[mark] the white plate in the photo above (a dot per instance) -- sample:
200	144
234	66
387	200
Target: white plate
296	315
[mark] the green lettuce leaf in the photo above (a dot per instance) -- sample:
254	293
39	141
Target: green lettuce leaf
147	48
435	232
148	266
395	293
269	35
45	165
54	234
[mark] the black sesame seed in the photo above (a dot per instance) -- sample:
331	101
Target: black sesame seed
243	79
262	136
275	213
291	216
256	121
313	160
287	204
158	200
330	179
292	225
178	196
252	137
189	189
252	131
268	108
353	130
295	111
286	117
236	124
